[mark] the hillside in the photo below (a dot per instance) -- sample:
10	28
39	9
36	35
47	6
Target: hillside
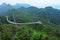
49	30
47	14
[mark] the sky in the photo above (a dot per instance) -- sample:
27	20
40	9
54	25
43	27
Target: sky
36	3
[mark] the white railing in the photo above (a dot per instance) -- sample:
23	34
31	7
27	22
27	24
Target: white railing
37	22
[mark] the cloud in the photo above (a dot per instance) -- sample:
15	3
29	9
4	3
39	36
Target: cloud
37	3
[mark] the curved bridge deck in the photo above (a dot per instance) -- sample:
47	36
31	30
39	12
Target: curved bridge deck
37	22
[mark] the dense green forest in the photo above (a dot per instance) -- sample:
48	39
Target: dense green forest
48	30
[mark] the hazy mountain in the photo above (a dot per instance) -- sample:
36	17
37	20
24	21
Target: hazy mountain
4	8
21	5
56	7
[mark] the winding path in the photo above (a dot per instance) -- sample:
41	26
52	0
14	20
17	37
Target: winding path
37	22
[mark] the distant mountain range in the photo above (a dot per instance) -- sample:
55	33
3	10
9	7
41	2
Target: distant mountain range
21	5
30	12
5	7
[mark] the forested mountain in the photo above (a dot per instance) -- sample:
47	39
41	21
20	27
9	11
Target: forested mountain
48	30
49	14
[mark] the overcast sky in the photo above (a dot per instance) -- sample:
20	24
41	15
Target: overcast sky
37	3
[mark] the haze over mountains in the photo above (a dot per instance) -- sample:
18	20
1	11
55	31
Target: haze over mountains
5	7
21	5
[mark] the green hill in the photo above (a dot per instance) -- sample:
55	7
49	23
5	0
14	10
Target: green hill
49	30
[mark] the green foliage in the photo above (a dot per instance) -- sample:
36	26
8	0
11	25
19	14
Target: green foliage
26	32
49	30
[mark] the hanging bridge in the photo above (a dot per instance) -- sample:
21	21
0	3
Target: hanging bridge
37	22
